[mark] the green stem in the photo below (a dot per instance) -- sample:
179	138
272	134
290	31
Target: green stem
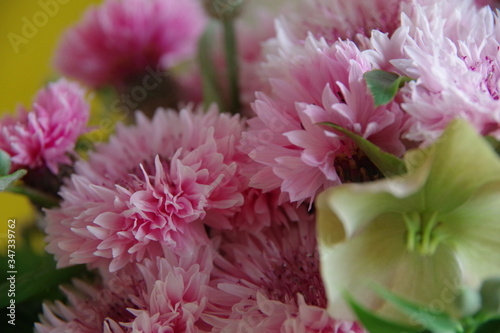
37	197
232	63
211	89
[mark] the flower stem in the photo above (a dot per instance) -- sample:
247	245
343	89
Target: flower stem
232	64
37	197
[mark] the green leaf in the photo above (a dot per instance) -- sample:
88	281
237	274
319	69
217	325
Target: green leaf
211	89
494	143
4	163
37	197
384	85
490	295
6	181
36	276
390	165
375	324
435	321
491	326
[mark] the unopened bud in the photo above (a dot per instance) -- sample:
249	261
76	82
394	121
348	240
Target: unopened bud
223	9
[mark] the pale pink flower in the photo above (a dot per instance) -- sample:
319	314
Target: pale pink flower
46	136
269	282
165	294
316	83
123	38
451	49
151	185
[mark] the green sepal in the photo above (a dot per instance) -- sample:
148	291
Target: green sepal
375	324
390	165
438	322
384	85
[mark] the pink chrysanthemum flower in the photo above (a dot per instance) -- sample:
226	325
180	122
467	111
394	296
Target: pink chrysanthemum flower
122	38
149	186
317	83
177	293
92	308
166	294
334	19
261	210
45	136
451	49
270	282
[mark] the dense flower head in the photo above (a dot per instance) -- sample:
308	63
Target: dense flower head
310	84
269	282
46	135
338	19
122	38
451	49
150	186
165	294
92	308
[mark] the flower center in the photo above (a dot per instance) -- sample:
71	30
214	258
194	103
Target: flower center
299	274
424	233
356	168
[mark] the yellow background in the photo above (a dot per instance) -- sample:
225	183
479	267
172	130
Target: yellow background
24	72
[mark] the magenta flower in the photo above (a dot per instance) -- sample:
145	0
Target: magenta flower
150	186
317	83
451	49
165	294
46	136
122	38
270	282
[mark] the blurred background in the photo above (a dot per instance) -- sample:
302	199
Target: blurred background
30	31
26	65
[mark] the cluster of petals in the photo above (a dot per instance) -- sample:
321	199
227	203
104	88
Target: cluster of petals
334	19
314	83
451	50
151	185
165	294
45	136
269	282
122	38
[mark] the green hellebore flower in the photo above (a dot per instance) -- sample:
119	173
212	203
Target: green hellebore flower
421	235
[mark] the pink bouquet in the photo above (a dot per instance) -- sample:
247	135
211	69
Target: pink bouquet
314	166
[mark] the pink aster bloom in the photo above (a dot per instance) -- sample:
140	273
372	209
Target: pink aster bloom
451	49
166	294
316	83
151	185
122	38
46	135
269	282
